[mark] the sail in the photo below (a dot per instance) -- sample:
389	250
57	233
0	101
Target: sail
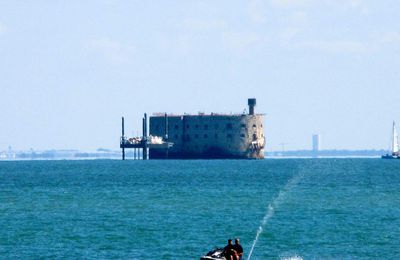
395	141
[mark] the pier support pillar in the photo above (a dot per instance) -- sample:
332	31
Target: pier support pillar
123	139
144	137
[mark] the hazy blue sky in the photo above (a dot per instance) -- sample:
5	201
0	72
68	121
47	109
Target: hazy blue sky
71	69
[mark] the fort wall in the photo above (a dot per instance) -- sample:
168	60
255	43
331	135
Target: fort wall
210	136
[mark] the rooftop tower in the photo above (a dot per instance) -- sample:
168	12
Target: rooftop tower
252	103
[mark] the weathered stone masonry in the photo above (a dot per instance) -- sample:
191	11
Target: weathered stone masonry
210	136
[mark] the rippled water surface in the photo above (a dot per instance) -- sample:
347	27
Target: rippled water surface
310	208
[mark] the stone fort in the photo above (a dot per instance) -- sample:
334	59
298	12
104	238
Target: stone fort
211	136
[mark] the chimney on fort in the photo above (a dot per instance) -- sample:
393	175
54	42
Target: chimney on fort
252	103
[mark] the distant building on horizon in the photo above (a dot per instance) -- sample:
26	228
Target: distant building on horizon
316	143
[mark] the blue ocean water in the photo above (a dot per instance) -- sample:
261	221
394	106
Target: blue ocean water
309	208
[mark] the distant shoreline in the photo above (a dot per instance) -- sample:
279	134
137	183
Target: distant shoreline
105	154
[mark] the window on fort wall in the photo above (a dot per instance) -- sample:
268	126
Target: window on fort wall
242	135
187	126
229	136
176	127
254	137
196	126
243	125
205	127
254	125
229	126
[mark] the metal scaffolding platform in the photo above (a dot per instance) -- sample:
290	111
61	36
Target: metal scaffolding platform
144	142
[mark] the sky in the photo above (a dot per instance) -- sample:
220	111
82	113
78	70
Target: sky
70	69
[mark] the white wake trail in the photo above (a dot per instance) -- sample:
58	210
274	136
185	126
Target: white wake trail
273	205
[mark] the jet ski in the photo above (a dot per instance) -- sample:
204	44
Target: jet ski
215	254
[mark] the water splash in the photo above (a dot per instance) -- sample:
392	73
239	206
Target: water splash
271	207
267	216
296	257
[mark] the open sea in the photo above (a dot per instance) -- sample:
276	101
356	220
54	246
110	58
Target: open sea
280	209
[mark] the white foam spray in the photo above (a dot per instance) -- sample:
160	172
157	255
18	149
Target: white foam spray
296	257
274	204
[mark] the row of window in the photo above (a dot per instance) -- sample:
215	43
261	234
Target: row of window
205	136
216	126
196	147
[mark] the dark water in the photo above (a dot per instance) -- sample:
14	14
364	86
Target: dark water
319	209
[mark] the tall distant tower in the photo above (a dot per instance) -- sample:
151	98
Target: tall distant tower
316	142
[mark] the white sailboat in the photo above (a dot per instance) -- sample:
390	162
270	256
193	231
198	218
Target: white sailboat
395	145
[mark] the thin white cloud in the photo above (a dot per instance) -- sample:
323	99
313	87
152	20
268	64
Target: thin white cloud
204	25
337	46
288	34
297	23
375	43
257	11
359	5
111	2
390	38
299	18
183	44
355	3
289	3
3	28
114	51
239	42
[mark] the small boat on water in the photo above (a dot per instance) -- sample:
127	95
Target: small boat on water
395	145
